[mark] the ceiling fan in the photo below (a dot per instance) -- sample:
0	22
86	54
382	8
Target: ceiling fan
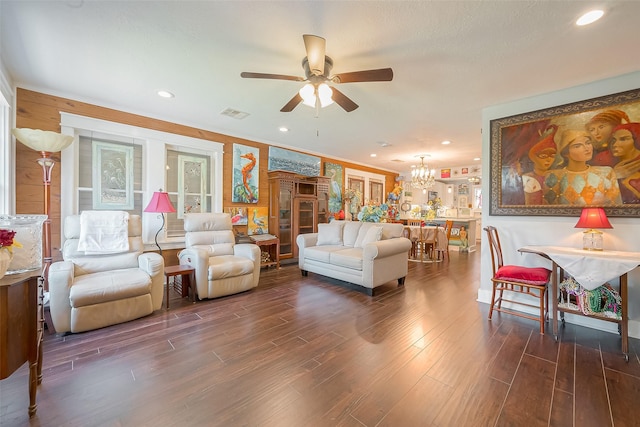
317	66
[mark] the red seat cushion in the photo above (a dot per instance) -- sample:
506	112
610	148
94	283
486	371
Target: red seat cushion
528	275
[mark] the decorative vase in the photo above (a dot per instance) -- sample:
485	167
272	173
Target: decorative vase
28	230
5	260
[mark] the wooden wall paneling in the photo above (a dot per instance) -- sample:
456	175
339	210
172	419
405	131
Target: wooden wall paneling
42	111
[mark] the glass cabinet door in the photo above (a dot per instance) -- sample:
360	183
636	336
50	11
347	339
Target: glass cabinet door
284	220
323	203
306	214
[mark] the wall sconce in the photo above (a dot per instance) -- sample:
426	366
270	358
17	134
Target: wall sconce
592	219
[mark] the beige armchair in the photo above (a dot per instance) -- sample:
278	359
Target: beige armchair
222	267
93	291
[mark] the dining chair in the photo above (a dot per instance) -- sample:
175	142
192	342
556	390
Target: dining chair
414	222
429	241
448	226
406	232
530	281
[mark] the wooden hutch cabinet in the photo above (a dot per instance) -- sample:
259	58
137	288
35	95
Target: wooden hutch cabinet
297	204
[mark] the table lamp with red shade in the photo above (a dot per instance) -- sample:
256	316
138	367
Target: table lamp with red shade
593	219
161	204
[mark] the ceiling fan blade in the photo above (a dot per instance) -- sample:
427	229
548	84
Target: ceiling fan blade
380	75
247	75
342	100
315	47
293	103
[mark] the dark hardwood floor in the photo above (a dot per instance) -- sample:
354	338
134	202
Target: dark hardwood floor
308	352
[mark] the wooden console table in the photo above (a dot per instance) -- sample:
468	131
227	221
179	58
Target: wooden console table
590	269
21	329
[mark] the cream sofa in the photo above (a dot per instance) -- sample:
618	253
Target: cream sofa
222	267
93	291
366	254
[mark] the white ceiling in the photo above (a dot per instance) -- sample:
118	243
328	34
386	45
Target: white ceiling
450	60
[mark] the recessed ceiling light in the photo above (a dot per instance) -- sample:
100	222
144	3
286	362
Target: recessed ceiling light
475	159
590	17
446	142
165	94
283	129
373	155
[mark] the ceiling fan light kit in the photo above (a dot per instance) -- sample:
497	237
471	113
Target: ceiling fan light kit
317	67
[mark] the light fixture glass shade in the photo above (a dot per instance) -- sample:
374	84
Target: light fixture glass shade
43	140
160	203
421	177
308	95
593	219
325	94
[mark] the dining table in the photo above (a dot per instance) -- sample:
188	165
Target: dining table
428	232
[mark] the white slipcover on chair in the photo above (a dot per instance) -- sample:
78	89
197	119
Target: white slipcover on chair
90	291
222	267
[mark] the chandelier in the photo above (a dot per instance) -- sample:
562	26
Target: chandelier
475	180
422	177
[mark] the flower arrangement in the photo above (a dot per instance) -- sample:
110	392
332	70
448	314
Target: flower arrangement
378	213
394	196
7	241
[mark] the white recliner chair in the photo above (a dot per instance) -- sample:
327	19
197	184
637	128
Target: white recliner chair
93	291
222	267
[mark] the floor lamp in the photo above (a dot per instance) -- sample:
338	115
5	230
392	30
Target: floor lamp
46	142
161	204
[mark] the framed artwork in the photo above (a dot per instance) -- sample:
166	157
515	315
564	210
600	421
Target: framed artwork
238	215
334	172
463	189
192	186
376	192
445	173
246	169
258	222
465	171
557	160
357	184
432	196
112	176
291	161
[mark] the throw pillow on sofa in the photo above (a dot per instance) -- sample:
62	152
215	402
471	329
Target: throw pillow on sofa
329	234
369	235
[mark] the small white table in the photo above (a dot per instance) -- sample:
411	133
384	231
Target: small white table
591	269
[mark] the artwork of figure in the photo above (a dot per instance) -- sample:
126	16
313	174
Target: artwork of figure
542	155
579	183
600	127
464	239
625	148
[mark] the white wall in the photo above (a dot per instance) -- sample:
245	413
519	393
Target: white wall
519	231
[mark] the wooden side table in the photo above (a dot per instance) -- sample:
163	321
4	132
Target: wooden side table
21	329
187	276
272	247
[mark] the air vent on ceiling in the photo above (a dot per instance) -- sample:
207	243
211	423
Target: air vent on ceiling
397	160
235	114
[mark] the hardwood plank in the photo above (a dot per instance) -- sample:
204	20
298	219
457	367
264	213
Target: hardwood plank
623	391
591	400
529	399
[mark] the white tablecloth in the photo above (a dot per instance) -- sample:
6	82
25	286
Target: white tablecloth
590	268
441	244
